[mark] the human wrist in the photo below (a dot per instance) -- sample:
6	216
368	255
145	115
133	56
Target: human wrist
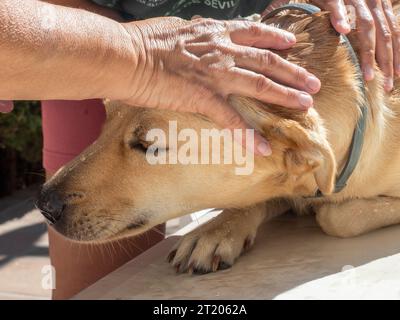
129	55
150	39
118	64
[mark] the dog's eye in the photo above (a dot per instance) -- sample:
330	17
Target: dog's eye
145	146
138	145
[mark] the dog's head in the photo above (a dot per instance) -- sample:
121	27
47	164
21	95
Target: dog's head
113	190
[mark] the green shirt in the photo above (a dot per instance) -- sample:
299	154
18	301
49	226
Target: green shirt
217	9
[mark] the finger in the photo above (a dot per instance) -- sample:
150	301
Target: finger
251	84
394	28
218	110
264	62
367	38
256	34
338	15
384	47
6	106
273	66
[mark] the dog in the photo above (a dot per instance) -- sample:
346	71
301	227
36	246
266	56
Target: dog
111	191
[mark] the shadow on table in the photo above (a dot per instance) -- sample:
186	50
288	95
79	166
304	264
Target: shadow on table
289	252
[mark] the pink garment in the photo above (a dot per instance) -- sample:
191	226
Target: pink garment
6	106
68	128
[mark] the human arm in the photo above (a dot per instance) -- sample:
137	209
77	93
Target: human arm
53	52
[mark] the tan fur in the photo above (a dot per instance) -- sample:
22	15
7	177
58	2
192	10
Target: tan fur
110	186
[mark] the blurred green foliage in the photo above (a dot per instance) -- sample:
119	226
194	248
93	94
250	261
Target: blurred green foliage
21	130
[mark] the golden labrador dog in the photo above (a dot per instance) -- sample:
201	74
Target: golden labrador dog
111	190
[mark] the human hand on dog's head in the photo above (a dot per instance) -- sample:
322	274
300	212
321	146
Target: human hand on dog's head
193	66
377	28
378	33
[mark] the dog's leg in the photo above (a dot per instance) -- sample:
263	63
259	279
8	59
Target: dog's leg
359	216
216	244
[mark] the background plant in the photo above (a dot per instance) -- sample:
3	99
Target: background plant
20	147
21	130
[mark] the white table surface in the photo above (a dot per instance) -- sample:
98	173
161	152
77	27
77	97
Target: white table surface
292	259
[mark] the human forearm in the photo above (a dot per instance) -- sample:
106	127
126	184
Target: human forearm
52	52
89	6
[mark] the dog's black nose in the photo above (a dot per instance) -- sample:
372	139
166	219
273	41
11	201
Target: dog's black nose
51	205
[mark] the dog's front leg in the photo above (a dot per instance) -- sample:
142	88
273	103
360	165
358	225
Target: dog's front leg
219	242
359	216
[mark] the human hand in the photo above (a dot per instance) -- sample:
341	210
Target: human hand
378	32
193	66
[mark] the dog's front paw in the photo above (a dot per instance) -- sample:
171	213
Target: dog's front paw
211	247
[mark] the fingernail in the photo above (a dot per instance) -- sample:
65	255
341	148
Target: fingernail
313	83
306	100
344	25
369	73
388	84
264	148
290	38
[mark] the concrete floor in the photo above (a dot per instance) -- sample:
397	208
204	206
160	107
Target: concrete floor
23	248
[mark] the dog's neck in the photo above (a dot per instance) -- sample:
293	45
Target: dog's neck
336	107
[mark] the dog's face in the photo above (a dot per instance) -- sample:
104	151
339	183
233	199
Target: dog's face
112	189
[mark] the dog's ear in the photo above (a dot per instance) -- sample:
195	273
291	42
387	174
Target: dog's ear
305	151
297	136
